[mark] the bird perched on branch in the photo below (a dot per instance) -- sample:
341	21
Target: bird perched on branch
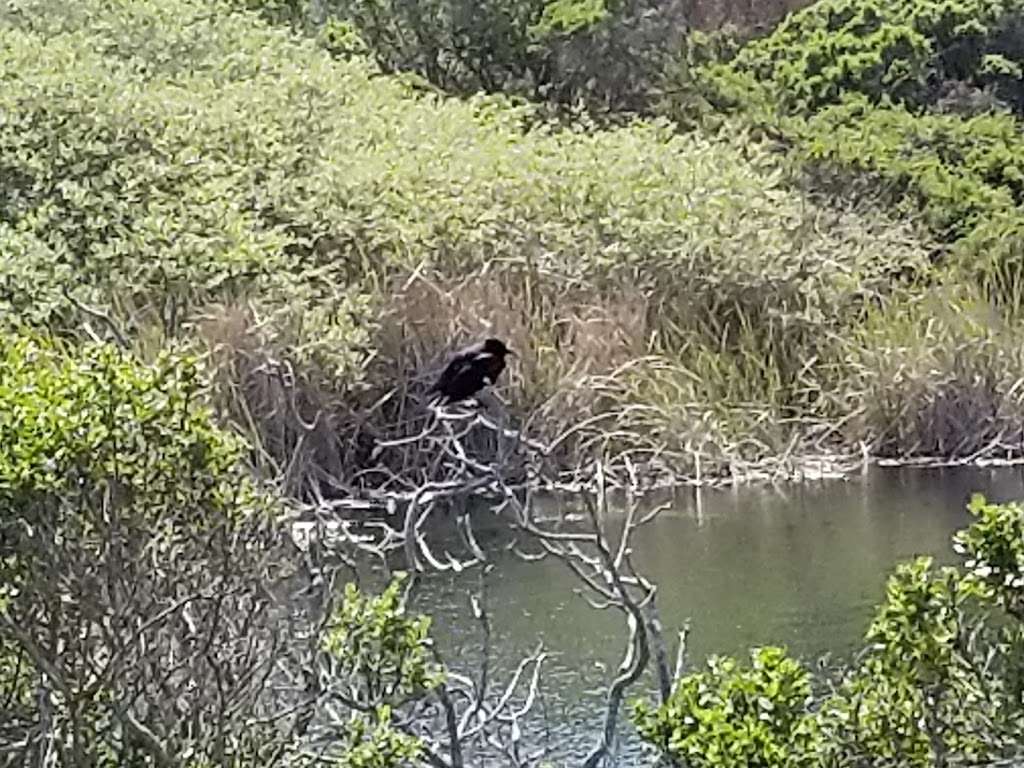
471	369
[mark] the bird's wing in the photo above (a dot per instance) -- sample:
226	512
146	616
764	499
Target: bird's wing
457	365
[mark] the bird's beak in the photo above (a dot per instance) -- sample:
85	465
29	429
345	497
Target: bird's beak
511	352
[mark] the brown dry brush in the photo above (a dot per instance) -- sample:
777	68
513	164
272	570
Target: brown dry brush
146	647
588	380
693	377
937	379
307	428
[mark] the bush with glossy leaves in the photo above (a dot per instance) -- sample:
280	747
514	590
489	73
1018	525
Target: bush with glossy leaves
994	550
731	716
930	689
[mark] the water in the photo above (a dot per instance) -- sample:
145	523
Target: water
802	568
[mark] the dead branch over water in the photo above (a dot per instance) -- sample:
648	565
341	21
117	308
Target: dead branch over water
595	547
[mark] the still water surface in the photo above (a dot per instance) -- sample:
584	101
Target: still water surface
802	567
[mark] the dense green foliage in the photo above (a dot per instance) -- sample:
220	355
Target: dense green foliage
115	487
85	432
130	528
939	682
370	741
386	657
922	96
732	717
994	548
962	170
387	652
151	203
902	51
924	693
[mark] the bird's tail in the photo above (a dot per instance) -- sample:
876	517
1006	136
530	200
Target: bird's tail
432	399
435	397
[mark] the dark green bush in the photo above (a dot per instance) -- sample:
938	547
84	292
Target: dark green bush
962	173
905	51
605	53
923	99
386	658
959	171
75	426
386	651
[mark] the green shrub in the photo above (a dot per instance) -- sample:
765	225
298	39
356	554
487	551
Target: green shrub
384	660
733	717
994	548
962	173
78	425
932	688
916	97
902	51
376	644
131	177
959	170
121	499
132	538
370	741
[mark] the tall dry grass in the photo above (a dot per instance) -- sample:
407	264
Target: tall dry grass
939	374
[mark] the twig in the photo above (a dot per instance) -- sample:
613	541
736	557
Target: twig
119	336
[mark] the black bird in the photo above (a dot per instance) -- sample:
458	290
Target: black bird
471	369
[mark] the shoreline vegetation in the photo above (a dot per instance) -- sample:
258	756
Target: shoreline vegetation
703	301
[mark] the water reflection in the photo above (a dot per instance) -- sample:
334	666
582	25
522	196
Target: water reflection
802	567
